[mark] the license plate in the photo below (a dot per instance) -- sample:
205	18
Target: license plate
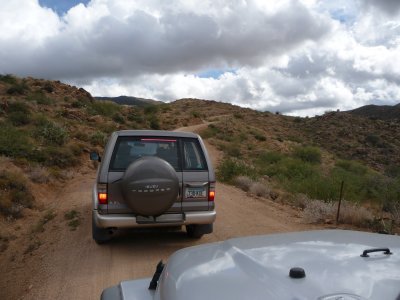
195	193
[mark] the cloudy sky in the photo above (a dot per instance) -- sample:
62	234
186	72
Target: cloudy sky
298	57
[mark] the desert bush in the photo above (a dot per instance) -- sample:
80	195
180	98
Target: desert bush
53	156
299	200
60	157
73	218
209	132
18	89
8	78
40	98
259	189
39	174
78	104
47	217
259	136
97	139
195	114
14	142
14	194
118	118
317	211
81	135
243	182
354	214
308	154
48	87
104	108
230	168
150	109
154	123
372	139
268	158
352	166
50	132
19	118
231	149
393	171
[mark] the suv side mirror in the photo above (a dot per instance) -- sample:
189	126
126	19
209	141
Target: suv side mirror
95	156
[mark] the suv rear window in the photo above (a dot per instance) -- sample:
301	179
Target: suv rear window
193	156
128	149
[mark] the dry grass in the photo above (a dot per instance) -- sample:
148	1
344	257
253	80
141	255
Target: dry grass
354	214
243	182
259	189
253	187
39	174
317	211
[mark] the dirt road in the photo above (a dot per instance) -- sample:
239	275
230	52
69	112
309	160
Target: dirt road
70	265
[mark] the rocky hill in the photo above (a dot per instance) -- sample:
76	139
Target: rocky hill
378	112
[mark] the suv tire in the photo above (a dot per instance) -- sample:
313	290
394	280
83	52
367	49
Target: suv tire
100	235
197	231
150	186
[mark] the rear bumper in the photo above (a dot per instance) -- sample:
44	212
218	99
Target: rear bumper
130	221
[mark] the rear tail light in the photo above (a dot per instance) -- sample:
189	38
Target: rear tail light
102	194
211	191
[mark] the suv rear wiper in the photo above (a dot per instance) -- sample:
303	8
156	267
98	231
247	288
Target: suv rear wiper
156	276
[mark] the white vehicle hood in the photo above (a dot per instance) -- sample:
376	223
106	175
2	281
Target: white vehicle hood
258	268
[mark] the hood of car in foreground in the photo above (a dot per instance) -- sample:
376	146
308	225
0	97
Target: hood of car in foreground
258	268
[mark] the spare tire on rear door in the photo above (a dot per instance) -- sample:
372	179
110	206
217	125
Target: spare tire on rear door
150	186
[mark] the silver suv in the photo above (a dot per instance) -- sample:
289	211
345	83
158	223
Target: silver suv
150	178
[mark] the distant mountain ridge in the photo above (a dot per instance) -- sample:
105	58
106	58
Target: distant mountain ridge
379	112
129	100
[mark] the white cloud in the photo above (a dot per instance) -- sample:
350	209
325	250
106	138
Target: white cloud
294	56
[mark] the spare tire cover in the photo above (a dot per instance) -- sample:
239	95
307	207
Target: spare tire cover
150	186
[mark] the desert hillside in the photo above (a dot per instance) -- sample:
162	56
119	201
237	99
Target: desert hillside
47	129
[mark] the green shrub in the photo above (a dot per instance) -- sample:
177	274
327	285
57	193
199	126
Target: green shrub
372	139
270	157
19	107
73	218
104	108
155	123
98	139
78	104
52	133
14	194
19	118
118	118
13	142
209	132
47	217
231	168
195	114
8	78
308	154
259	136
18	89
232	150
150	109
352	166
40	98
58	157
48	87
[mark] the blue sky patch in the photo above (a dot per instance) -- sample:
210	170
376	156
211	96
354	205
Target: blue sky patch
214	73
61	6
